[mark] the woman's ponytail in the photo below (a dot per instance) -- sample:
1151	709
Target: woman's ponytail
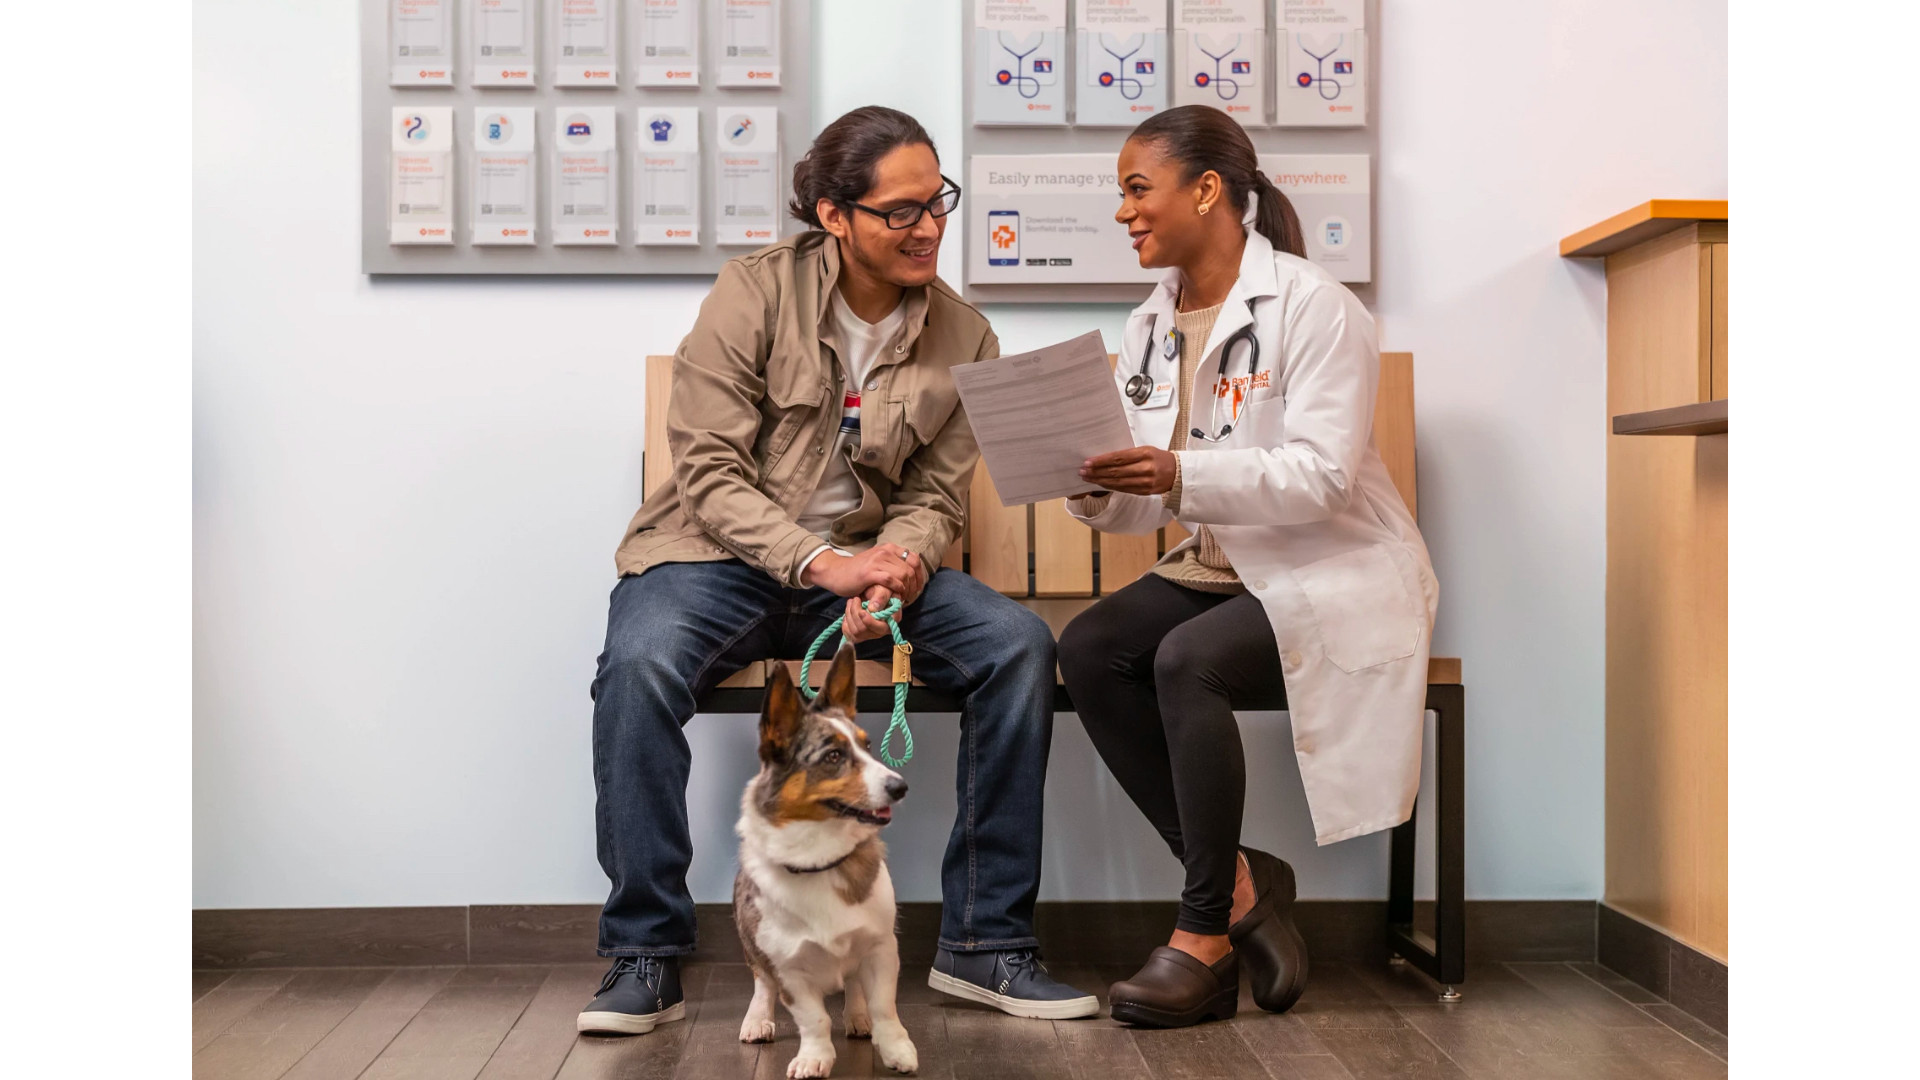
1275	218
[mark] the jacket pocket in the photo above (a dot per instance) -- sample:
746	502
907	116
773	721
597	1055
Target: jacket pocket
1361	608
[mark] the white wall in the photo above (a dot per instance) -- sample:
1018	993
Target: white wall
407	492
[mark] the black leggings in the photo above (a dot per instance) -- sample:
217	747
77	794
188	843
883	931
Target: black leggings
1152	669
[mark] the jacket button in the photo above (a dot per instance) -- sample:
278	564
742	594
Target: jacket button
873	384
898	349
1293	659
1260	586
820	450
870	455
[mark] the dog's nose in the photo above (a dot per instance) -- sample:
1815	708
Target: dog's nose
896	789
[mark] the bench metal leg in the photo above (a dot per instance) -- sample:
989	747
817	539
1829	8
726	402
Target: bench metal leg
1442	956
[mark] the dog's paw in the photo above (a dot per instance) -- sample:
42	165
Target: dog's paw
756	1030
898	1054
805	1064
859	1026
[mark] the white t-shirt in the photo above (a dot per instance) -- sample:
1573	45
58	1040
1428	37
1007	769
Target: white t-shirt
839	492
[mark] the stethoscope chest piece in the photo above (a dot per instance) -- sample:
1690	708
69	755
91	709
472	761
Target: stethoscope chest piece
1140	384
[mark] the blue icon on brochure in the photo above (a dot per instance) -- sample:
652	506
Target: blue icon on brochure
1143	67
1343	67
662	129
1043	67
1243	67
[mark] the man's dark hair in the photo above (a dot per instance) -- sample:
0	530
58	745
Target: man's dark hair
839	166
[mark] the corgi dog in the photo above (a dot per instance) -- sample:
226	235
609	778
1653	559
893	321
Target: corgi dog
813	901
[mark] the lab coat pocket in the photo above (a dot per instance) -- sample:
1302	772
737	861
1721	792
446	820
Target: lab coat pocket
1361	608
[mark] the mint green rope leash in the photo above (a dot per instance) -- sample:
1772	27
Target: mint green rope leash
889	616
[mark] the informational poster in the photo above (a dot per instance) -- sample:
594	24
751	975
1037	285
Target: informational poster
420	189
747	185
1122	61
1323	63
585	42
667	34
1047	219
666	184
1019	56
420	42
505	178
1331	193
749	42
585	208
501	36
1220	47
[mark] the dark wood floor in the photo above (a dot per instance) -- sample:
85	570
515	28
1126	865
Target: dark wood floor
1518	1022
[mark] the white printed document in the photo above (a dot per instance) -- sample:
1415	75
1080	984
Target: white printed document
420	188
666	182
1323	66
1122	58
420	42
1221	48
504	184
1038	416
749	42
500	36
1019	62
667	40
585	42
748	188
586	165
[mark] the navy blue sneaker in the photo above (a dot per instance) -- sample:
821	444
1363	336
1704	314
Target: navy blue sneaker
1015	982
638	993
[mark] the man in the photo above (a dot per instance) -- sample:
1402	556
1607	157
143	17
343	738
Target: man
820	458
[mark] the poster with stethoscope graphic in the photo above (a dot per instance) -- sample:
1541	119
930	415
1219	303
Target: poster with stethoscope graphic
420	188
666	179
1122	58
585	37
749	42
1323	67
1047	219
667	42
500	37
1220	47
505	184
1331	195
1020	75
420	42
747	184
586	169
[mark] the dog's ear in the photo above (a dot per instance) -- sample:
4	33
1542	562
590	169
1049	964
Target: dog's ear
780	716
841	691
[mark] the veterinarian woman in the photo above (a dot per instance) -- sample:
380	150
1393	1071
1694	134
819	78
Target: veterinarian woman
1254	419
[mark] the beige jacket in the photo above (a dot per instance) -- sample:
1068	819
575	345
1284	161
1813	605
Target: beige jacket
756	407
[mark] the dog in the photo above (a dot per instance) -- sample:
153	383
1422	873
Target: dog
813	900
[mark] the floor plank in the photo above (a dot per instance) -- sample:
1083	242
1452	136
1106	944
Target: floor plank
1582	996
1690	1028
459	1028
987	1044
204	981
280	1030
652	1056
1621	985
218	1008
352	1045
1210	1051
544	1034
1377	1053
713	1049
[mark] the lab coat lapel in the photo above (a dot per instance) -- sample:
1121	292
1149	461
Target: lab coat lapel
1145	329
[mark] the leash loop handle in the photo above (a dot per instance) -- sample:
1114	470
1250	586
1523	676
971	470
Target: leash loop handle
901	650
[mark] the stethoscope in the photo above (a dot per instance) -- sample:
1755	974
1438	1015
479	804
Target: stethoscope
1140	385
1118	76
1318	79
1215	80
1019	80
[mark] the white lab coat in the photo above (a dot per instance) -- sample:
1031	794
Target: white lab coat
1304	508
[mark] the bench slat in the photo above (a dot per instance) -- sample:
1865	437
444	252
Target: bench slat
997	538
1062	552
1440	670
658	463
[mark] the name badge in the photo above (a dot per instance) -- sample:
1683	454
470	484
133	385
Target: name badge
1162	395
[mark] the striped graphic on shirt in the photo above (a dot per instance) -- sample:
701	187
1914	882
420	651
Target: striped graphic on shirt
850	415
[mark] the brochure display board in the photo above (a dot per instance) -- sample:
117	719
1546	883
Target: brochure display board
599	137
1122	59
1323	64
1019	67
1037	223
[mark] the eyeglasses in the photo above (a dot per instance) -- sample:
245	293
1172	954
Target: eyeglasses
906	217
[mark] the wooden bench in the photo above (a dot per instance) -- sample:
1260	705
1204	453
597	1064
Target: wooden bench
1043	557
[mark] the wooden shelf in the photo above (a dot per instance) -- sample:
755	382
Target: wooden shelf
1702	418
1643	222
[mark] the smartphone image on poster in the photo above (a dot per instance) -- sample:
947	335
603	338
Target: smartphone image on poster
1003	238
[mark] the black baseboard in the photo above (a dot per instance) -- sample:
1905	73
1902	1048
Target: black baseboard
1071	932
1693	981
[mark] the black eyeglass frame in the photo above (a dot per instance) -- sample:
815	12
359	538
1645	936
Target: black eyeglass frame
924	208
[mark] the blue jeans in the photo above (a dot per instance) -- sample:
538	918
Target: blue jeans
676	631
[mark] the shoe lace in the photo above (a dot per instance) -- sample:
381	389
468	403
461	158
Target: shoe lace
1018	961
644	967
